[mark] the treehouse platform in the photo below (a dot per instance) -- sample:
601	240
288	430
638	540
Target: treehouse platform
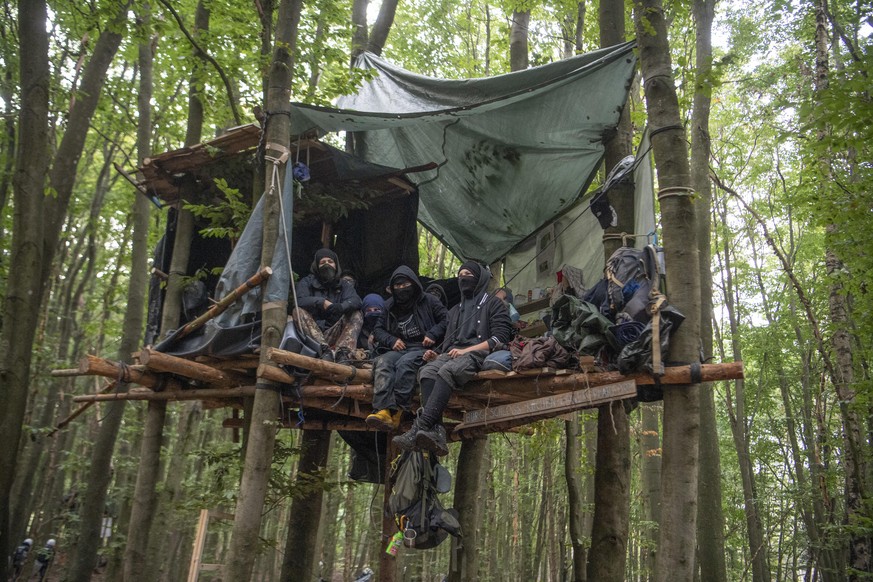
332	396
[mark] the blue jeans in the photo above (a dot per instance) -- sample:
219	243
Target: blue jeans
394	378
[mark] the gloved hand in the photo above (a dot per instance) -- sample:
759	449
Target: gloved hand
335	309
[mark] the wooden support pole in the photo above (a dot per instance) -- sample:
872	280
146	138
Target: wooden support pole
311	424
199	544
66	373
331	370
169	395
161	362
78	412
226	301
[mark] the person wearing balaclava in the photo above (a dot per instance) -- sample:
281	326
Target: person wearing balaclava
415	321
477	326
329	309
374	310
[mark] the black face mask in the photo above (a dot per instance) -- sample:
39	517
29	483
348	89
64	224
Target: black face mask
403	295
326	273
371	318
467	285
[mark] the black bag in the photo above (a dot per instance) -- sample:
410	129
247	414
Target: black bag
416	480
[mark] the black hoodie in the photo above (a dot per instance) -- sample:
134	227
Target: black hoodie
311	293
428	311
478	318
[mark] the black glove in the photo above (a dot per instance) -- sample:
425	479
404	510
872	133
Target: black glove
335	309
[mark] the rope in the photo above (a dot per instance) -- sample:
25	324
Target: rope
623	236
675	191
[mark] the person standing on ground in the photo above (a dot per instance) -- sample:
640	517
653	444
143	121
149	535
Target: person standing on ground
329	309
476	327
19	558
414	322
44	559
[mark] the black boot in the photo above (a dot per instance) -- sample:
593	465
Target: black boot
433	440
406	441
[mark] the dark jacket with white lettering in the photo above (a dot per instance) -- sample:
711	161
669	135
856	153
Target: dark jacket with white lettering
482	317
428	311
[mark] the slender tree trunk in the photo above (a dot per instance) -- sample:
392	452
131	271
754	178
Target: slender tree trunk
20	309
676	549
382	26
741	429
300	561
518	40
858	481
575	498
611	495
472	466
612	469
145	506
265	409
710	518
149	465
650	449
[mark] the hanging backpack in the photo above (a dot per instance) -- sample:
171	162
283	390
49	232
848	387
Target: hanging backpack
631	274
416	480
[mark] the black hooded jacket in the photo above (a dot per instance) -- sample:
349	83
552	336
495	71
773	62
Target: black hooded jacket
311	293
482	317
429	312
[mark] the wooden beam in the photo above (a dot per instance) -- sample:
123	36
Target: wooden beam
312	424
161	362
94	366
169	395
519	413
330	370
523	388
225	302
199	544
66	373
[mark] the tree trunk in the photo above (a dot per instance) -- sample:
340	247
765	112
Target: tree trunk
145	503
20	309
360	30
300	561
265	409
472	466
149	460
518	40
382	26
611	495
650	450
710	518
675	560
612	469
741	429
856	447
91	511
575	498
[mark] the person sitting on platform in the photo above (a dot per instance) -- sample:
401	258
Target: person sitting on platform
329	309
478	325
374	310
415	321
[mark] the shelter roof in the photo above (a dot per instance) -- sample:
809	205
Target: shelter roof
170	175
514	151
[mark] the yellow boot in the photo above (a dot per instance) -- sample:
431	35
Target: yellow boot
384	420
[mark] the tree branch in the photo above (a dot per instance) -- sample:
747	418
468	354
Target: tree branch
208	57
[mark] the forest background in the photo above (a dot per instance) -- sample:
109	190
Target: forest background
86	85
